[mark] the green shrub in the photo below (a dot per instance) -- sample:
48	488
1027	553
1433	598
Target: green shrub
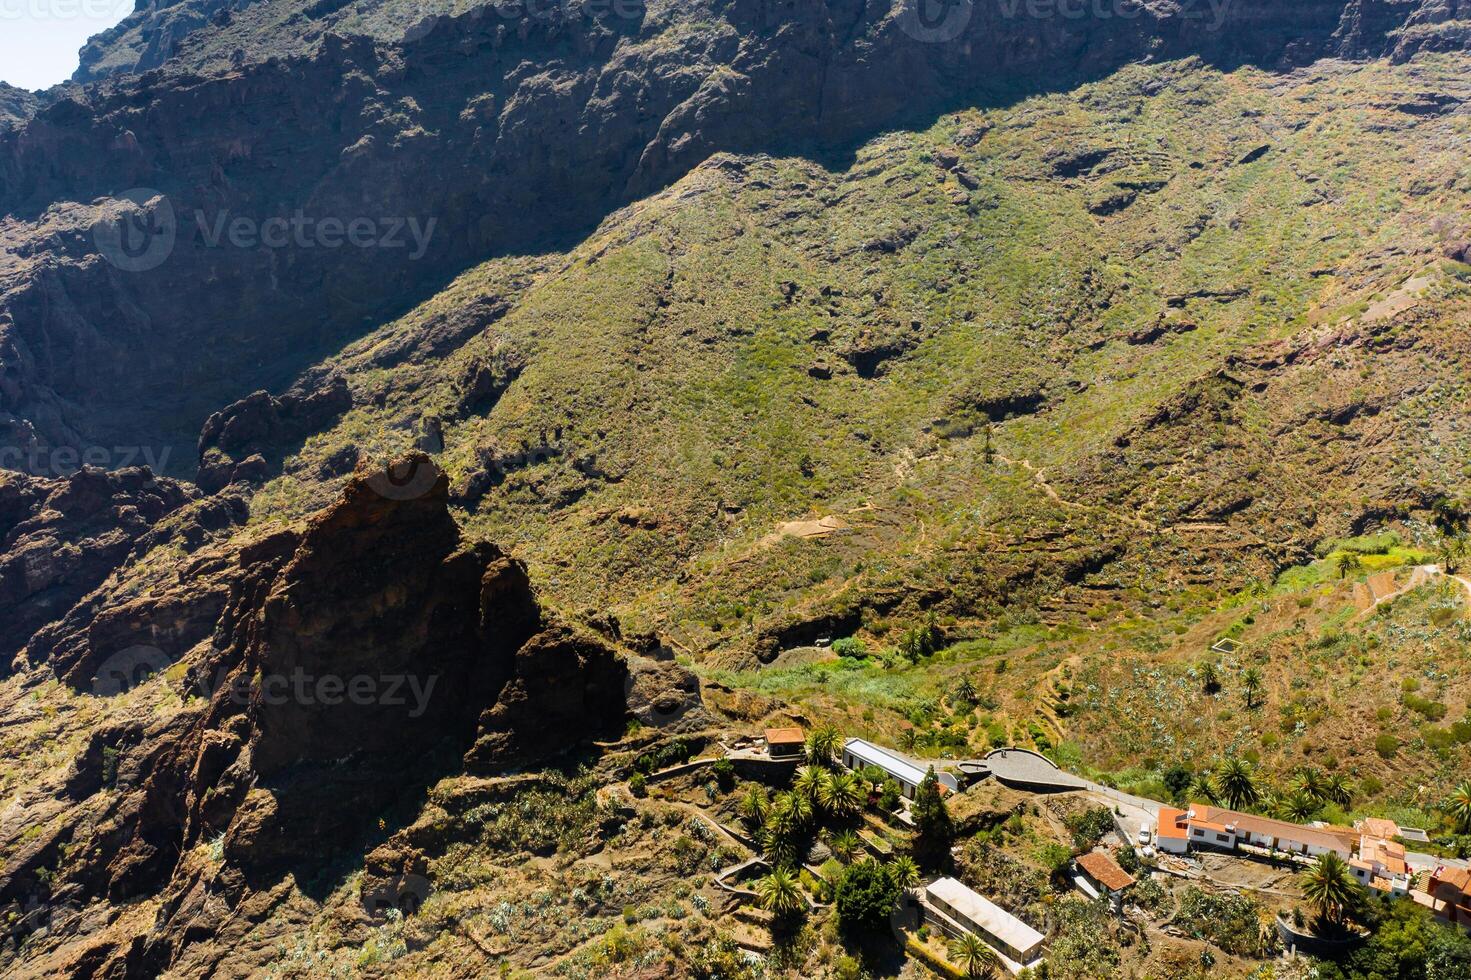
1432	710
1386	745
864	896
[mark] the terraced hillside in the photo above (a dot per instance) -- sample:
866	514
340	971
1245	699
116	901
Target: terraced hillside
1044	356
801	371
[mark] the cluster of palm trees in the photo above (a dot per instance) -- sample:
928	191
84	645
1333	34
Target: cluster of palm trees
785	824
1251	682
1235	782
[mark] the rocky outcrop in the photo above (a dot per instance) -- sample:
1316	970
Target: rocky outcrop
350	661
237	440
60	538
150	36
16	105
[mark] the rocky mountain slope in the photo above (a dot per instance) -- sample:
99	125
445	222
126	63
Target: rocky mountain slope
565	114
735	326
265	696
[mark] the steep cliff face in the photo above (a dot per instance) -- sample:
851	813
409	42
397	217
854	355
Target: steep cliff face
352	661
16	105
438	144
60	538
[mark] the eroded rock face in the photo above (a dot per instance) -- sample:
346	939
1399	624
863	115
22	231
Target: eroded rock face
262	424
351	662
60	538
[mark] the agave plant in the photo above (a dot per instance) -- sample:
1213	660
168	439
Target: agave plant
845	846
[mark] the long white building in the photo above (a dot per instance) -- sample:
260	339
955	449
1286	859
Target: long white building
1017	942
857	753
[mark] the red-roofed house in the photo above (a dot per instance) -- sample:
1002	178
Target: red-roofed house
1449	890
1172	833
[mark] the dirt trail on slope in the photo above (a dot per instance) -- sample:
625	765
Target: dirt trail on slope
1039	477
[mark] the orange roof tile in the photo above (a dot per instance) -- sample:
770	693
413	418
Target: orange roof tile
1379	827
1105	870
784	736
1250	823
1171	823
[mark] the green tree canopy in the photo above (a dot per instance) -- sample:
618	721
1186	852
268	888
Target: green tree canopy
933	829
864	897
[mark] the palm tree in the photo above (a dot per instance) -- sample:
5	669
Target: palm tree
754	806
1348	562
842	795
845	845
908	739
780	893
1203	787
796	805
779	837
822	745
973	956
904	871
1330	887
1210	678
1338	789
1251	683
965	692
1298	805
1237	784
1310	781
808	783
1458	807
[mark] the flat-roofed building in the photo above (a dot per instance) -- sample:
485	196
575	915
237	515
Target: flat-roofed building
857	754
998	928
